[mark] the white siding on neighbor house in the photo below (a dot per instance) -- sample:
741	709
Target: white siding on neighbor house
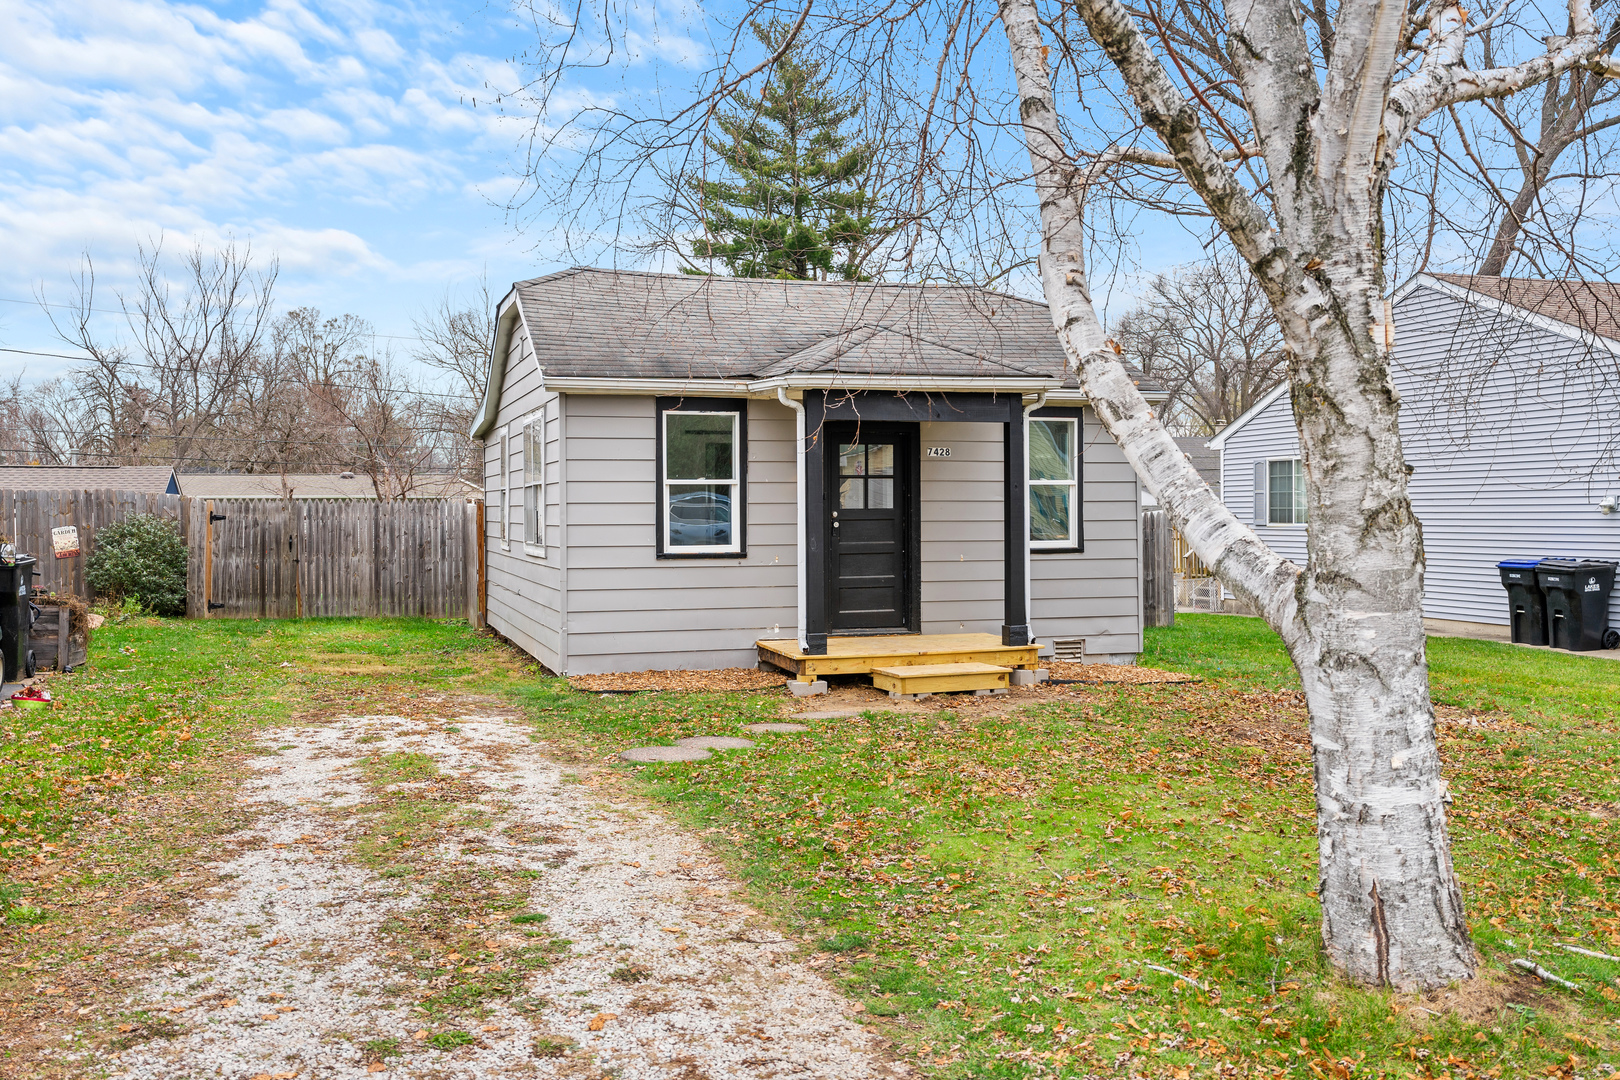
1267	436
1511	431
629	610
524	590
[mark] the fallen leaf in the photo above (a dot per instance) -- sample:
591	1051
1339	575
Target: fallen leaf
126	1027
490	1027
376	1066
420	1035
269	1016
599	1021
453	956
227	1003
671	929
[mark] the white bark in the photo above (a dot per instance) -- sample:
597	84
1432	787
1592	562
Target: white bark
1352	617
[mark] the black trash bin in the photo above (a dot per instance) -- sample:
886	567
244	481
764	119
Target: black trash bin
1527	605
16	616
1578	603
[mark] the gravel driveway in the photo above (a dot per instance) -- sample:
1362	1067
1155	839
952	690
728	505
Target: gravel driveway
298	967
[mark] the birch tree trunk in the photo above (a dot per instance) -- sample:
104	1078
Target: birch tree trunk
1352	617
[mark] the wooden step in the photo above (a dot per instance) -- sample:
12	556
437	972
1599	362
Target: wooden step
940	678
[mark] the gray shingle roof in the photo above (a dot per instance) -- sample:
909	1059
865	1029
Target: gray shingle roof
1594	306
626	324
1205	460
151	479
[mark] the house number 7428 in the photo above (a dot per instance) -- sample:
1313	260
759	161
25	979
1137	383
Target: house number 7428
939	451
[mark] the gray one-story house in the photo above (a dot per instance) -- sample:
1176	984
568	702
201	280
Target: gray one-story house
680	466
1510	420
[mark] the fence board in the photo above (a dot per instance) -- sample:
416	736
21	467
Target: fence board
275	558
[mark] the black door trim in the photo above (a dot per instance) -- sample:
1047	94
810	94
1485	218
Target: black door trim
908	458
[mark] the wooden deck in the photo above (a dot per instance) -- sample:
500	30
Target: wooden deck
859	655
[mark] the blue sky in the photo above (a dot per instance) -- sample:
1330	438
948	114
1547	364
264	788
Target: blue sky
342	138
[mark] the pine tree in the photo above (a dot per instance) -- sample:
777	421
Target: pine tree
796	206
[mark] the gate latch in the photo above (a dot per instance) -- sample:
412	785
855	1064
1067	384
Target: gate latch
213	517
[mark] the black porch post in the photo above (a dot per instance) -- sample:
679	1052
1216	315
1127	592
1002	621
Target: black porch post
815	525
1015	546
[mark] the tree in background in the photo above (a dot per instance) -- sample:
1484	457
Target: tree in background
796	205
203	376
1206	334
454	340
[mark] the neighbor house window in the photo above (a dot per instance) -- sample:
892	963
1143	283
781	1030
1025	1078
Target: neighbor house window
534	478
702	450
1054	483
1285	492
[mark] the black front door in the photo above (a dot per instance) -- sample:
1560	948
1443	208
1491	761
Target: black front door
871	530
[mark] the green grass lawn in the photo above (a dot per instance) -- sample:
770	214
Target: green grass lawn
1001	889
1004	892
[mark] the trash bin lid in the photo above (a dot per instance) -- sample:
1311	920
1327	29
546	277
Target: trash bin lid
1518	564
1575	564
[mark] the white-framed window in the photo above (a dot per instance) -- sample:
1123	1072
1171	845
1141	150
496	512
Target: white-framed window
1054	483
495	501
506	487
1279	491
534	483
702	447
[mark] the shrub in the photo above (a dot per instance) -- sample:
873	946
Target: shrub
141	558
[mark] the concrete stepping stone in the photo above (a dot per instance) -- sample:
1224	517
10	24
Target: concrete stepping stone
775	727
716	742
665	753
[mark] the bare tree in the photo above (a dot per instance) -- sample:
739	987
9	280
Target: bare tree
164	394
455	342
1206	334
1282	126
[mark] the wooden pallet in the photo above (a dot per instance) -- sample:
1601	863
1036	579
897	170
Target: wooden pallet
940	678
858	655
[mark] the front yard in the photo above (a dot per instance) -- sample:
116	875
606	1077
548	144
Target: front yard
1105	880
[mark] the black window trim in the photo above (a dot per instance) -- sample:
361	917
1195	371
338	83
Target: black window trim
739	406
1077	413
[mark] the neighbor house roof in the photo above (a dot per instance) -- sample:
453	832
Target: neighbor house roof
314	486
1592	306
151	479
1205	460
627	325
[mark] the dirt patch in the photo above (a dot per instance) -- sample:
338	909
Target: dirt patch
724	679
1480	1000
1063	671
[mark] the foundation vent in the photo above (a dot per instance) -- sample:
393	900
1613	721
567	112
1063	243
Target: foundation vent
1070	649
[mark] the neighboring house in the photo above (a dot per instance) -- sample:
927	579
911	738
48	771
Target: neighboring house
1510	421
679	466
147	479
348	485
1205	460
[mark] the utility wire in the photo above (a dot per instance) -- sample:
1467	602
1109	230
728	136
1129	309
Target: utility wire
111	311
154	367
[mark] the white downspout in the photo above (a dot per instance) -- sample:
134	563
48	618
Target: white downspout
1029	596
798	458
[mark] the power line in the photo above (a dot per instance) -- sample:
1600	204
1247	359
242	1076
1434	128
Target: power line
154	367
110	311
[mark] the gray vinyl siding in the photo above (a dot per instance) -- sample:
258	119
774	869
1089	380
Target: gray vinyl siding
1268	436
960	541
1511	430
524	590
1096	594
628	610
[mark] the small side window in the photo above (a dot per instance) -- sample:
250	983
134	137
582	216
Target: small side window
1285	492
534	480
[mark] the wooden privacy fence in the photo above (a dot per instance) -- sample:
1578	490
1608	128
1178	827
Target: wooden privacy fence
280	558
1158	570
